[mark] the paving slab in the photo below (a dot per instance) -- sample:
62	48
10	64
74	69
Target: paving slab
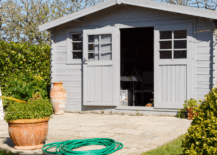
137	133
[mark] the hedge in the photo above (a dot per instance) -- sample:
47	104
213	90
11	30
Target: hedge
30	60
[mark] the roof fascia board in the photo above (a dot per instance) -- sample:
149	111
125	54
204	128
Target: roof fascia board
173	8
78	14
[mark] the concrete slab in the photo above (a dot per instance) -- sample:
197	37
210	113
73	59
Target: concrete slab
137	133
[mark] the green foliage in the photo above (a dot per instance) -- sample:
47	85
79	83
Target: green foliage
202	135
4	152
20	19
192	103
171	148
182	113
188	104
24	69
23	87
36	107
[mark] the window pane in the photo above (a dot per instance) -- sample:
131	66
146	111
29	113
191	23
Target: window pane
106	47
165	54
93	38
106	56
165	34
77	37
106	38
180	54
165	44
93	47
180	34
93	56
180	44
76	46
77	55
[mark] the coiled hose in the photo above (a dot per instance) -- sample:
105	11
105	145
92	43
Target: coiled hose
65	147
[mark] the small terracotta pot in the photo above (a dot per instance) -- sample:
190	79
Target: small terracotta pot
58	98
149	105
28	134
190	113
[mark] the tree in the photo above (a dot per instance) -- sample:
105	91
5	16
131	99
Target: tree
205	4
20	20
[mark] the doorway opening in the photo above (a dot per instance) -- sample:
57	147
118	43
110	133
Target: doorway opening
137	66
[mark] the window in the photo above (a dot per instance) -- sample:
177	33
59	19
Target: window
99	47
173	44
76	46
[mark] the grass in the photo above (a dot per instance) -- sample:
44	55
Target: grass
171	148
4	152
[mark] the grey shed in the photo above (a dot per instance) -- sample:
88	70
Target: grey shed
122	54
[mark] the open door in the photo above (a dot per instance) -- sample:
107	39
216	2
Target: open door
99	69
172	65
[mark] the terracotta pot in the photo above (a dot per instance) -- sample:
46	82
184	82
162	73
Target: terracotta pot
149	105
28	134
58	97
190	113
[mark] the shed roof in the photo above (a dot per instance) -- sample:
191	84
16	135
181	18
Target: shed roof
141	3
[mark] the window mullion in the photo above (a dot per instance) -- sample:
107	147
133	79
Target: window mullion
99	47
172	45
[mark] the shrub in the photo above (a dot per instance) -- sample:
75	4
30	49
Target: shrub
202	134
182	113
31	60
36	107
24	86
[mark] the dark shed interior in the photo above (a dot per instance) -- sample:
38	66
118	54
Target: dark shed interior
137	66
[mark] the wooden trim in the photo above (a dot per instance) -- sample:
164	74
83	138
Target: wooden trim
153	23
101	103
76	15
133	108
173	8
146	4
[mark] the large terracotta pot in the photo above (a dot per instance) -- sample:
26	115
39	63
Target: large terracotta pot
28	134
190	113
58	97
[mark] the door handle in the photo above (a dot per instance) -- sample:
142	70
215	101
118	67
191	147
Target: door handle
85	60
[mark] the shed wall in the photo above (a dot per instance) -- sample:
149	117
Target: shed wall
71	75
204	54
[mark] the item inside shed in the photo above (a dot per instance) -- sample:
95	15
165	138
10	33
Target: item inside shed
137	66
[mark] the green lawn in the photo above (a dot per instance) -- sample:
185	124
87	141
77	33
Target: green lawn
3	152
171	148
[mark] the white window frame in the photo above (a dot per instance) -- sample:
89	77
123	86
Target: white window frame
172	48
69	59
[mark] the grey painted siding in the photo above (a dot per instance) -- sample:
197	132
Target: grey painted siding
71	75
203	58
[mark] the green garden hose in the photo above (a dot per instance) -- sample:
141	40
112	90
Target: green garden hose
65	147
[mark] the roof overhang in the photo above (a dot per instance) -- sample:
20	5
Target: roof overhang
140	3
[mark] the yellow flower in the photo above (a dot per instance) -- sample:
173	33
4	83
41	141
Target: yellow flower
21	62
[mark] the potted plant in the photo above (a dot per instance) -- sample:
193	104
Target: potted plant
191	106
27	121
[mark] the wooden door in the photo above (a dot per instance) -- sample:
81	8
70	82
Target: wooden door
99	71
172	65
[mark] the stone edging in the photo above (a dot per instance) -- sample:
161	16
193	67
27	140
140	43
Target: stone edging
120	113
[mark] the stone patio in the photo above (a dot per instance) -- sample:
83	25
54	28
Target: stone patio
137	133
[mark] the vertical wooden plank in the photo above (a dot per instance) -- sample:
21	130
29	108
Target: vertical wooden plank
177	83
169	88
173	82
185	83
107	83
181	74
90	83
160	83
164	83
98	82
